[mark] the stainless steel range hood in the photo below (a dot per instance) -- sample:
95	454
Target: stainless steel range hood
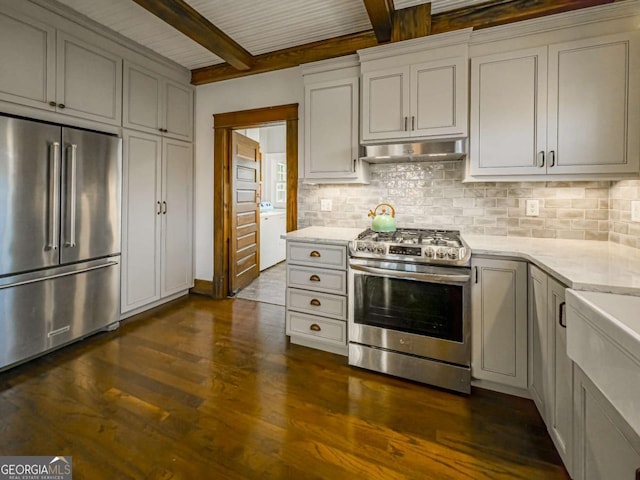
435	151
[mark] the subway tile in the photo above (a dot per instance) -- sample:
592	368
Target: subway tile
590	235
496	231
543	233
485	221
507	202
496	212
557	203
571	234
596	214
496	192
584	203
486	202
532	222
519	232
508	222
519	192
568	213
584	225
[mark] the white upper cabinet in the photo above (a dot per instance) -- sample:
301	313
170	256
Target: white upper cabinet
88	81
27	50
331	123
52	70
508	112
568	108
155	104
594	105
415	89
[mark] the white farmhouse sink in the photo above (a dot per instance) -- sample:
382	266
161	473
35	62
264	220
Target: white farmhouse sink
603	338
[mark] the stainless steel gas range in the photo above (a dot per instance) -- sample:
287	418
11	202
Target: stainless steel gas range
410	306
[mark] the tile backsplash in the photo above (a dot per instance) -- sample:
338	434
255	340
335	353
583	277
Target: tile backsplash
433	195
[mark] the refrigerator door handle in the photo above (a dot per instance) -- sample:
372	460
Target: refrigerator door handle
71	195
35	279
54	197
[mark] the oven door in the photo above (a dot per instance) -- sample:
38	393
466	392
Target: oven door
415	309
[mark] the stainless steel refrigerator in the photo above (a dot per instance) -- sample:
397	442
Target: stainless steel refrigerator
60	196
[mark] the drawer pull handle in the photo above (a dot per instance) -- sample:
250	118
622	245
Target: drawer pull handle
562	321
315	327
314	278
315	302
315	254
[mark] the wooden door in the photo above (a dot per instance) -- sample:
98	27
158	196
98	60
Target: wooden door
244	243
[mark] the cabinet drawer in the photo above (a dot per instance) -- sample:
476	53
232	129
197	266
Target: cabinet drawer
334	306
319	329
317	279
327	256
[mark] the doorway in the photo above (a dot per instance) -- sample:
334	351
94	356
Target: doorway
223	189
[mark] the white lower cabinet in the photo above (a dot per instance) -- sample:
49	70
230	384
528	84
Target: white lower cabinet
499	321
550	368
156	221
605	446
316	302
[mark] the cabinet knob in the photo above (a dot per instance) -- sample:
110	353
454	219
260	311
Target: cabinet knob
158	210
314	278
405	123
61	105
315	327
541	159
315	253
552	158
413	122
52	104
315	302
164	208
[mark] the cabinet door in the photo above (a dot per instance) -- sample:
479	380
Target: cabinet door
385	104
559	417
499	322
331	129
89	81
594	105
439	98
178	110
177	186
538	339
142	155
605	446
141	99
508	113
27	50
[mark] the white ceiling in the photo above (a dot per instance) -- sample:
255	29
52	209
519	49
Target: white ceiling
259	26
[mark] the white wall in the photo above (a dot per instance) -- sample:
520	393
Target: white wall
265	90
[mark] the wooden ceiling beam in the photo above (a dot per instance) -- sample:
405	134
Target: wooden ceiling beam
288	57
184	18
501	12
489	14
412	22
381	16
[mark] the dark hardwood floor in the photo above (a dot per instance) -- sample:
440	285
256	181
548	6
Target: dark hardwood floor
206	389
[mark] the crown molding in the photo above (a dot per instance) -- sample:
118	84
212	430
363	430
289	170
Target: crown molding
417	45
574	18
337	63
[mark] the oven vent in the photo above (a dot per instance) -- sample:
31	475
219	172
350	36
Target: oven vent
436	151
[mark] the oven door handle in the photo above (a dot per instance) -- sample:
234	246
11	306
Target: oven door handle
422	277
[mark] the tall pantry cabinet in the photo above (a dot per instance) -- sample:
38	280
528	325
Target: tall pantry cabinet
157	259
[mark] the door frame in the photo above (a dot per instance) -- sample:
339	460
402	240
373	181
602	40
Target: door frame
223	125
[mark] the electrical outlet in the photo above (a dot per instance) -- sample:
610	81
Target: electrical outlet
326	205
635	211
532	208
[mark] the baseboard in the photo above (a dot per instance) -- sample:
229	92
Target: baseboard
497	387
202	287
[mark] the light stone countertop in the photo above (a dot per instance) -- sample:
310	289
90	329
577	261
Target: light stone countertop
587	265
580	264
333	235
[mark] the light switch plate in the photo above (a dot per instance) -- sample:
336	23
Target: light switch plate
635	211
532	208
326	204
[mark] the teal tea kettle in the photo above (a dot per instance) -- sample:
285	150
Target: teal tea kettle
383	221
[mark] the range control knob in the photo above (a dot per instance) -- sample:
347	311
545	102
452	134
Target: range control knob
453	253
428	252
380	249
441	253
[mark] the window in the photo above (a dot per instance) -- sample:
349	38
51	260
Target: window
281	183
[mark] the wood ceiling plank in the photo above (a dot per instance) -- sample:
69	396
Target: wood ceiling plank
187	20
500	12
381	16
288	57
